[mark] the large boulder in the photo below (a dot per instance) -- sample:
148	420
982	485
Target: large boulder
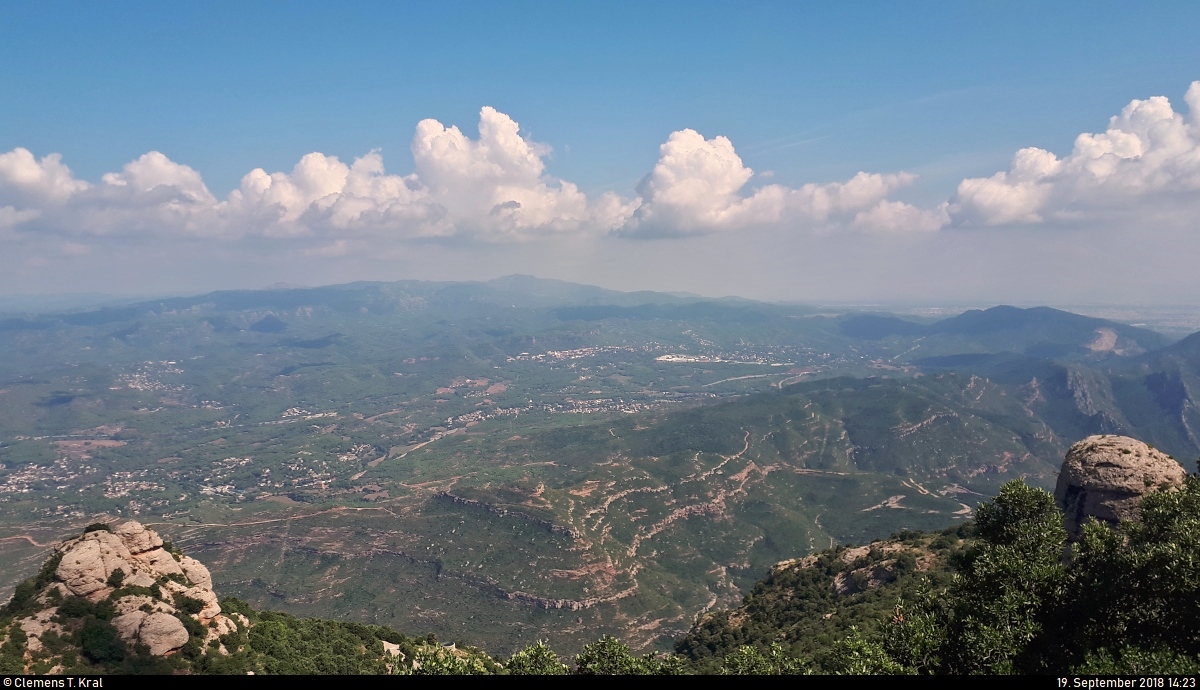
196	571
158	561
161	632
1105	477
137	538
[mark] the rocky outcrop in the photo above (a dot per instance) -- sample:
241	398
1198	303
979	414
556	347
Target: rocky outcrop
137	538
37	625
196	572
1105	477
152	590
161	632
88	562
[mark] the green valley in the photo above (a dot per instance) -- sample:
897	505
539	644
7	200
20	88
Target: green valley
506	462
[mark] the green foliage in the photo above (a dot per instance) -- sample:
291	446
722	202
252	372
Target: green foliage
1132	661
188	605
116	578
436	660
802	609
608	656
178	578
536	660
97	527
1125	601
1024	518
79	608
1135	586
12	652
1005	582
23	596
916	637
142	663
232	605
751	661
135	590
284	644
856	655
99	641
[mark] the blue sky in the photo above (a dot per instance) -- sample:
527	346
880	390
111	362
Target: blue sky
805	93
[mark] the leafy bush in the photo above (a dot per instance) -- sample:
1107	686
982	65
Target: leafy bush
1122	600
99	641
608	656
12	652
23	596
856	655
536	660
79	608
436	660
188	605
751	661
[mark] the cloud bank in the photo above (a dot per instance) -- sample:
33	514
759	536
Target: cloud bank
700	185
491	188
1147	160
495	188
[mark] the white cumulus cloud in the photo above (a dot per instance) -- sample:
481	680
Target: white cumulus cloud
24	178
699	185
1148	156
493	188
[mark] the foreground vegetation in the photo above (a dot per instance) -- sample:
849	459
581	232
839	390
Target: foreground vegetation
1005	594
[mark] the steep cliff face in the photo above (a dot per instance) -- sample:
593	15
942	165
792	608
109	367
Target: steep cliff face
118	590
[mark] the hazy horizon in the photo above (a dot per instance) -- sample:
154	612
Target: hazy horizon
1173	319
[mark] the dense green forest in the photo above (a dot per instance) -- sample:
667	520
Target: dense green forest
1006	593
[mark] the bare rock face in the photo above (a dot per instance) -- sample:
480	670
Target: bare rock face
89	562
140	578
180	586
196	572
1105	477
161	632
137	538
158	561
37	625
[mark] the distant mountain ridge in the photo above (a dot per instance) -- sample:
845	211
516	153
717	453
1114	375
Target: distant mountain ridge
1037	331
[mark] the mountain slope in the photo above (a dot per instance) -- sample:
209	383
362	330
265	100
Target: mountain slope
1037	331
